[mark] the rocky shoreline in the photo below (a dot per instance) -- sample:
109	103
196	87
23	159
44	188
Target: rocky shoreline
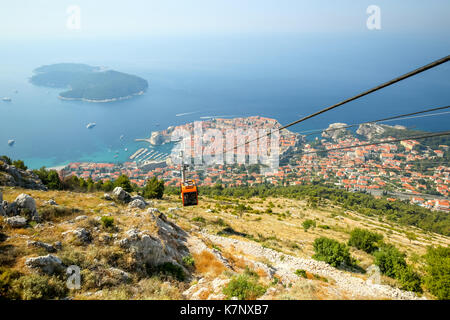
140	93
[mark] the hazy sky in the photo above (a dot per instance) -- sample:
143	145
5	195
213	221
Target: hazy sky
47	18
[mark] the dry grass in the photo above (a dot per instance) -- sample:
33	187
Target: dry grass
207	264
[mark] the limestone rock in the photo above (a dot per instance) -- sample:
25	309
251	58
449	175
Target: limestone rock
81	234
48	264
27	205
121	195
137	203
43	245
17	222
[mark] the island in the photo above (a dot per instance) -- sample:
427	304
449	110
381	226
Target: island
89	83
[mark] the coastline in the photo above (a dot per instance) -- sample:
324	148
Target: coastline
103	100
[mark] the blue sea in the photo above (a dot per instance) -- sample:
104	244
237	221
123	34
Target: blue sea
282	76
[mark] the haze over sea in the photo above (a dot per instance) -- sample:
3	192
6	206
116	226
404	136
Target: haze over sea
282	76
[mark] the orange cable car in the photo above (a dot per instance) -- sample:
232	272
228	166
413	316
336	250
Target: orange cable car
189	193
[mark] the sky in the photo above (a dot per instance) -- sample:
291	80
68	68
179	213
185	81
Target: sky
113	18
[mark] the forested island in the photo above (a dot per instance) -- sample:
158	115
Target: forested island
88	83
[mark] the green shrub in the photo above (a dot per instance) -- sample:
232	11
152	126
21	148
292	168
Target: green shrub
410	280
300	273
390	260
7	278
437	278
33	287
332	252
19	164
198	219
107	222
364	240
188	261
171	270
393	264
308	224
244	287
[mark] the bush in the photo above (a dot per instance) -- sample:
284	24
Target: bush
244	287
390	260
393	264
364	240
107	222
33	287
172	270
188	261
308	224
301	273
7	278
437	278
153	189
19	164
332	252
410	280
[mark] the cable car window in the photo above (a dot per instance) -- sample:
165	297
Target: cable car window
190	198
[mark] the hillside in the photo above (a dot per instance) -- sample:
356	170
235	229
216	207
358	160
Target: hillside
155	250
88	83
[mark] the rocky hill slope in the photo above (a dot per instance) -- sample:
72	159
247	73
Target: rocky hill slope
127	247
12	176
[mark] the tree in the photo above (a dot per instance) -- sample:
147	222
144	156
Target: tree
52	181
153	189
437	278
6	159
124	182
108	186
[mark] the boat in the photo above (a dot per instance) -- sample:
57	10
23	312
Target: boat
11	142
7	99
91	125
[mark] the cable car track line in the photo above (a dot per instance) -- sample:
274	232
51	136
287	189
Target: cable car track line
379	87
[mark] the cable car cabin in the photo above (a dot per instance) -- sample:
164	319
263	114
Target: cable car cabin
189	193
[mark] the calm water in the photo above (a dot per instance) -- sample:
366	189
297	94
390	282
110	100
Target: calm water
283	77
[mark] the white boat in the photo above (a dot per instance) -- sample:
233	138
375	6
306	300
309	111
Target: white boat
11	142
7	99
91	125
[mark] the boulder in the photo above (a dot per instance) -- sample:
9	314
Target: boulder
17	222
43	245
79	218
107	196
81	234
121	195
48	264
10	209
168	244
137	203
24	201
27	205
137	197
